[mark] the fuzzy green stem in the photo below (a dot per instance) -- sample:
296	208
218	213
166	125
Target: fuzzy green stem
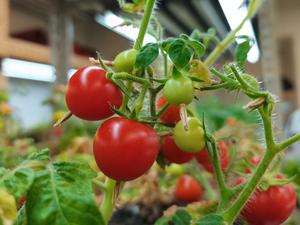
144	24
225	192
106	207
152	93
230	214
126	98
288	142
129	77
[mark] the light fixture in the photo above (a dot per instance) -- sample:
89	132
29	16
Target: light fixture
28	70
234	11
112	21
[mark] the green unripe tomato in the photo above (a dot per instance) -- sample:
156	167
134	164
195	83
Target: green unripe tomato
179	90
193	139
175	169
251	81
125	61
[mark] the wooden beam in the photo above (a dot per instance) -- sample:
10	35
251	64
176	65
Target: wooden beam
25	50
4	19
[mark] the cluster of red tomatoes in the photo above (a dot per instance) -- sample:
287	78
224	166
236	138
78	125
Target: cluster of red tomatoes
125	149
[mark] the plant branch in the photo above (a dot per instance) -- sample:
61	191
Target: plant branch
254	5
144	24
282	146
106	207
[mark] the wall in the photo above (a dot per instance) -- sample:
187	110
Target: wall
287	14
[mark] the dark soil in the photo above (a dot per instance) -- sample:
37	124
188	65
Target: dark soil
137	214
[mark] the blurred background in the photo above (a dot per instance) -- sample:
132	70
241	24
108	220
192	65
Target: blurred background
42	42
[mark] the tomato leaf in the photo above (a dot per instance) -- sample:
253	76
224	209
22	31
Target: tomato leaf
162	221
181	217
42	155
19	182
242	53
180	53
211	219
184	37
197	46
62	194
165	45
8	208
147	55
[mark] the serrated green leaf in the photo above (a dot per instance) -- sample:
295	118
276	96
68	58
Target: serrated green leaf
180	53
197	46
211	219
43	155
162	221
62	194
147	55
242	53
19	182
165	45
181	217
184	37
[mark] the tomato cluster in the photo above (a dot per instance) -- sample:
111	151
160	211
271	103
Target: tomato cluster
124	149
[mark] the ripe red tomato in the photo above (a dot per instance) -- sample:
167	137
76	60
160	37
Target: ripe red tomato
125	149
188	189
172	153
254	161
204	159
270	207
171	115
90	95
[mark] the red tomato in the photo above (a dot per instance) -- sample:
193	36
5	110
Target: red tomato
203	157
171	115
172	153
125	149
270	207
90	95
254	161
188	189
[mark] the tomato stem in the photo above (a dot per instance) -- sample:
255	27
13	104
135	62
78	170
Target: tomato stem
144	24
228	40
282	146
106	207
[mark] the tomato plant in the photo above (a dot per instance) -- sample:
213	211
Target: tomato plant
205	160
119	142
190	139
188	189
171	114
172	153
270	207
90	95
128	144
